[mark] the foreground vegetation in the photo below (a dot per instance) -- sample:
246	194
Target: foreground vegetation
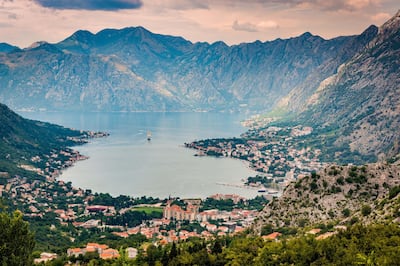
359	245
375	244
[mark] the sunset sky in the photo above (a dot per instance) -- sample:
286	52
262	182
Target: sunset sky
23	22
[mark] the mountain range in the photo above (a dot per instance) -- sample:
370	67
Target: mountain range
132	69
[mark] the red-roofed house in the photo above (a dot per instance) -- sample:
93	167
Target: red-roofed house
109	254
75	252
272	236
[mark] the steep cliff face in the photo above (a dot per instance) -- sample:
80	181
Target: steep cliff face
133	69
362	102
297	99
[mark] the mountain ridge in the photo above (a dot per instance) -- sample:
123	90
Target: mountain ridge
132	69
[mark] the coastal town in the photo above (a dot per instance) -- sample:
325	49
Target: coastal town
168	220
275	153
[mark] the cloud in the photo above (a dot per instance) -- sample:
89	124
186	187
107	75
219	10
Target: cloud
182	4
91	4
12	16
246	26
381	17
251	27
325	5
342	5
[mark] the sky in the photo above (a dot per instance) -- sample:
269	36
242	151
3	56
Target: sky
23	22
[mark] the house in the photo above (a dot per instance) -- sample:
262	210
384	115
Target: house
211	227
272	236
103	251
221	234
179	214
224	229
206	234
109	253
314	231
134	231
131	252
45	257
325	236
94	247
75	252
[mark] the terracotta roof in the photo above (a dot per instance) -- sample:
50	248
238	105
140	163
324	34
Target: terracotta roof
272	236
109	254
91	249
314	231
326	235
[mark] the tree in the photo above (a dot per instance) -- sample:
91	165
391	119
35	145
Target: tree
366	210
346	212
267	229
16	240
217	247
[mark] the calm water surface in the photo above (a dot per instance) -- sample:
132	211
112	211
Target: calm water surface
126	163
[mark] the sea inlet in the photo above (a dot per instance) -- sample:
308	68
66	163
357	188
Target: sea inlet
127	163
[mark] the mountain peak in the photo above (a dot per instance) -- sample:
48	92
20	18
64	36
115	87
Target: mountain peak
37	44
82	35
391	26
306	34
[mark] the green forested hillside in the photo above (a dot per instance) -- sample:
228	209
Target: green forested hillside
23	139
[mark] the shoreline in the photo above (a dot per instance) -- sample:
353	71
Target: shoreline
239	188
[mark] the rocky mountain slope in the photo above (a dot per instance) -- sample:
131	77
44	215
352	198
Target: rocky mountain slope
338	194
133	69
358	108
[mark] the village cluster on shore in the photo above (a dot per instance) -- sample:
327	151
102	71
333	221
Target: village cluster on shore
270	151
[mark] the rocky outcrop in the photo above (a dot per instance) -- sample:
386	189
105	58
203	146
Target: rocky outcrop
338	194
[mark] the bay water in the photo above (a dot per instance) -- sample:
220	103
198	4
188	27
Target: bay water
126	163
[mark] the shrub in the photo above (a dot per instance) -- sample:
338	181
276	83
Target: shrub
340	180
346	212
394	191
366	210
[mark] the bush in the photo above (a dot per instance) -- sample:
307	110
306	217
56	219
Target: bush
340	180
394	191
366	210
313	186
346	212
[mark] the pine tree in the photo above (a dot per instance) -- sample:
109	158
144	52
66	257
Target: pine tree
16	240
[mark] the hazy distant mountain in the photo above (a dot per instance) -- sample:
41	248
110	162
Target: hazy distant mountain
133	69
360	105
